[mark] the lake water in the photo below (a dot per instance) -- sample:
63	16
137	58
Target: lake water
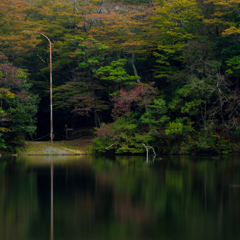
88	198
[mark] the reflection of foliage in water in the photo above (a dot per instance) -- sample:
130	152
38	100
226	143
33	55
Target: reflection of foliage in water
176	198
181	193
18	200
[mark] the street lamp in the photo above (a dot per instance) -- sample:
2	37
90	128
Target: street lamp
51	107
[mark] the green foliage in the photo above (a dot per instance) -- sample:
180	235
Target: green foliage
192	45
3	130
116	73
205	143
155	115
122	137
22	116
213	143
174	128
178	21
92	54
234	64
199	143
18	108
79	95
192	107
2	144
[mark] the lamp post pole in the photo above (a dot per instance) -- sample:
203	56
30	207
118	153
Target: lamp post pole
51	106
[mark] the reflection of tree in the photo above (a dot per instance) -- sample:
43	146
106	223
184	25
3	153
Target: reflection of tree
170	199
178	194
18	201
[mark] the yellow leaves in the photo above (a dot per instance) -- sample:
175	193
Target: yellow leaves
219	14
9	95
218	21
13	20
223	2
121	27
5	93
3	129
133	44
230	31
178	16
162	59
226	15
177	20
175	10
59	11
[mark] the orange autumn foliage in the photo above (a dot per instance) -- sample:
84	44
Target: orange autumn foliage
122	27
13	21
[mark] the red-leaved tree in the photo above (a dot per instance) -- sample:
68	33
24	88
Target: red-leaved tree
140	96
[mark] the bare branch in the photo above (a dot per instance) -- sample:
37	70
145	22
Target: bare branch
110	146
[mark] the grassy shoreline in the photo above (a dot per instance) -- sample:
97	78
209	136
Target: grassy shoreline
79	146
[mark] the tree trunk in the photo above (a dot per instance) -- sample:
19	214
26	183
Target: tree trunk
94	103
132	60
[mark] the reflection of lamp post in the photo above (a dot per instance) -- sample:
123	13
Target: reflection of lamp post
52	201
51	107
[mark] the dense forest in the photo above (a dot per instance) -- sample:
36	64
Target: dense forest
142	74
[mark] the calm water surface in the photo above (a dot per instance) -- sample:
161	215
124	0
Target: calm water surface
123	198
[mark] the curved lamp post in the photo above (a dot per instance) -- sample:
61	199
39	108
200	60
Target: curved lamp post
51	107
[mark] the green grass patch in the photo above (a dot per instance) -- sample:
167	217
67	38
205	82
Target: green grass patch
78	146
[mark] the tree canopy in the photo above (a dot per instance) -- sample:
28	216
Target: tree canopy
159	73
